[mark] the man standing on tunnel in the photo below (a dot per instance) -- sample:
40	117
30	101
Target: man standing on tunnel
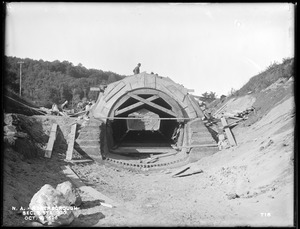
136	70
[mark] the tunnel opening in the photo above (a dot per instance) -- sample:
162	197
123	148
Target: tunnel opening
145	124
137	135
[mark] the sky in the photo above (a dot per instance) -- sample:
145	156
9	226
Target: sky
203	46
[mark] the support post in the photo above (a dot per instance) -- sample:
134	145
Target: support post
228	132
51	141
71	142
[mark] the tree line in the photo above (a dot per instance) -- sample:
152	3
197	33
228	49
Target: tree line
45	82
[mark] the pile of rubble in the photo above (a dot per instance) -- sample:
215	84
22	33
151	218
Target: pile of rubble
82	109
225	136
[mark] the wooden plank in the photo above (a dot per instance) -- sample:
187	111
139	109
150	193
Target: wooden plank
146	150
198	146
228	132
51	141
133	106
153	104
71	142
72	176
190	173
114	91
89	190
180	171
167	98
154	159
180	95
160	86
149	81
195	105
220	109
80	161
122	100
231	125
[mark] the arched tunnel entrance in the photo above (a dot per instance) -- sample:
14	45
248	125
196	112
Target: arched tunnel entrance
150	121
144	121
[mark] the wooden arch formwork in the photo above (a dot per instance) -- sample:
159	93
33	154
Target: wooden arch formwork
172	103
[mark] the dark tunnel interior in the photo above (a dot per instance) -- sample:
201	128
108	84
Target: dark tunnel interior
128	132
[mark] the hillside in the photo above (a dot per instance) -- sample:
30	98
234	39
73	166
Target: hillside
269	76
275	73
45	82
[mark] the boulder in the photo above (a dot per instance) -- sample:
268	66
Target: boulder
10	130
70	193
50	207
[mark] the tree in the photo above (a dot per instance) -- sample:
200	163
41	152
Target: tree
38	76
211	95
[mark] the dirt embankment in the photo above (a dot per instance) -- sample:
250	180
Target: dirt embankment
250	184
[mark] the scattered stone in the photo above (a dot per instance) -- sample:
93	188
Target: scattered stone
270	142
70	193
9	129
8	119
232	196
50	207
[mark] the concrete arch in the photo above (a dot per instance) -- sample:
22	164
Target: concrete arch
153	95
182	104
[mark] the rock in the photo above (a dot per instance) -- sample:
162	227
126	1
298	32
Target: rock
232	196
10	130
70	193
8	119
21	135
51	207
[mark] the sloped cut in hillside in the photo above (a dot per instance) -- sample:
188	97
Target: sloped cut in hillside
268	77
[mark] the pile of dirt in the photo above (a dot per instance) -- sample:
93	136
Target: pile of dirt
25	169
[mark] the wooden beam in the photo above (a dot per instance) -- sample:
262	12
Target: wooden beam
142	150
197	146
114	91
220	109
228	132
66	170
121	101
51	141
126	109
152	104
71	142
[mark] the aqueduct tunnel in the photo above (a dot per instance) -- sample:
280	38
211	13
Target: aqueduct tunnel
148	114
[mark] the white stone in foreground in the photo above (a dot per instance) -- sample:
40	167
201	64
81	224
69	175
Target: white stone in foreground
50	207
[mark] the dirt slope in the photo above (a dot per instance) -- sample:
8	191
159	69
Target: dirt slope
250	184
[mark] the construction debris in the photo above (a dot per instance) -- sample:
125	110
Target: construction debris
228	132
105	201
71	142
182	172
236	114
